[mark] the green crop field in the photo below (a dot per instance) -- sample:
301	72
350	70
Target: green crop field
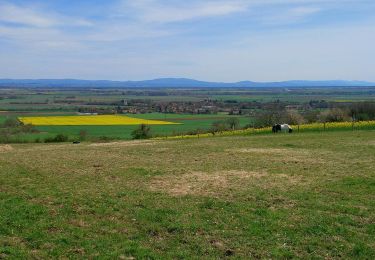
309	195
2	118
186	123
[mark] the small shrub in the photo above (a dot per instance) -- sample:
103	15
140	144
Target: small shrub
82	135
104	138
57	139
11	122
28	129
142	132
219	126
49	140
61	138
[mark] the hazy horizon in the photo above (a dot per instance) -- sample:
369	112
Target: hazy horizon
182	78
219	41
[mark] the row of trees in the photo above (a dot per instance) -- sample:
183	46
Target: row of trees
11	130
356	112
361	111
144	131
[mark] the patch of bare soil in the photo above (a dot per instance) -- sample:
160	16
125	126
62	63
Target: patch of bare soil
126	143
162	149
287	155
5	148
207	184
270	150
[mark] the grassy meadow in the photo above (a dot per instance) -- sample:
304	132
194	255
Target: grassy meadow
307	195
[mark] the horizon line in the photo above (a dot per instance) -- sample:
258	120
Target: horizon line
193	79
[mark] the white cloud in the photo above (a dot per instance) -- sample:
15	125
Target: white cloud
159	11
155	11
39	39
303	10
288	15
31	16
14	14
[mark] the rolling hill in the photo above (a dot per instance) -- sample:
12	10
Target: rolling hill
174	83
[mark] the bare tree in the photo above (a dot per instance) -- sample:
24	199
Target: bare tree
333	115
292	117
218	126
268	118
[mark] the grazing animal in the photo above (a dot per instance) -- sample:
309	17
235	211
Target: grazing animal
276	128
76	142
282	128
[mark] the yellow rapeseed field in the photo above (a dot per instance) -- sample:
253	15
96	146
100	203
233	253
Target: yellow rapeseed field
89	120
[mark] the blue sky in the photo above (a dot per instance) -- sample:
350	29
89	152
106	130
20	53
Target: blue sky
222	40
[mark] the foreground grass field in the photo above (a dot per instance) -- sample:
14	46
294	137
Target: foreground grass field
307	195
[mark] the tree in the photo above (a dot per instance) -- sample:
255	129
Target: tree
362	110
233	122
311	116
142	132
333	115
292	117
218	126
268	118
199	131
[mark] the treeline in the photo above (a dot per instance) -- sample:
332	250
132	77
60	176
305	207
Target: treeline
362	111
12	128
232	123
13	131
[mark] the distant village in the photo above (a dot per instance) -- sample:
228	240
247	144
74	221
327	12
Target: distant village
206	106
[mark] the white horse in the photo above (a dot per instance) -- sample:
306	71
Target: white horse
286	128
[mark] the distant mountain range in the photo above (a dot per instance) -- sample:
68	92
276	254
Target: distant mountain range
175	83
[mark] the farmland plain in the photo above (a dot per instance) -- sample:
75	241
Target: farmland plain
309	195
25	102
182	123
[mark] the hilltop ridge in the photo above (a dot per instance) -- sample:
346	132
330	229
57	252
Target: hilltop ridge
176	83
